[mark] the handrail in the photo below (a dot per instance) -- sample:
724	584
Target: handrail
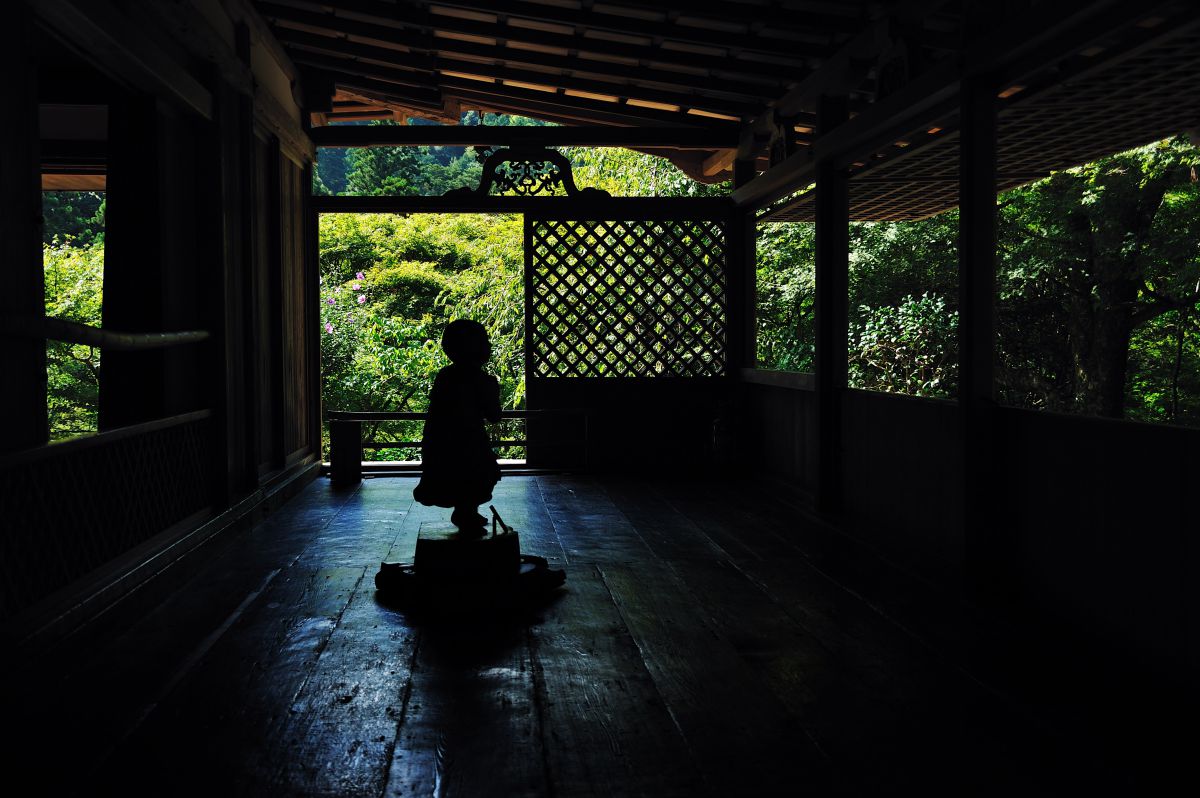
55	329
72	446
405	415
346	444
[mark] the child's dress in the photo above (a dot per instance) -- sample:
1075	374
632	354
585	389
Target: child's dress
459	468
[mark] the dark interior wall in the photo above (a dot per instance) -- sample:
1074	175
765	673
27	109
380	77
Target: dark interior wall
902	479
282	309
205	231
1090	519
777	432
658	425
299	317
901	467
1100	519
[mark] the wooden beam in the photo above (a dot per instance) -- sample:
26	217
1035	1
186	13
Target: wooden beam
132	384
188	26
409	85
384	92
839	74
117	44
351	53
388	21
796	21
417	48
23	362
1017	49
595	18
193	30
601	111
292	139
622	207
832	281
322	47
415	83
243	11
719	161
535	136
976	324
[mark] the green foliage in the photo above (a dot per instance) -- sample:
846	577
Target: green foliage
786	289
907	348
625	173
73	279
389	285
73	216
1099	284
1097	304
431	171
897	343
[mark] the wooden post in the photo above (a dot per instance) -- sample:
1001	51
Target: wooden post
132	383
743	171
976	326
22	360
233	116
739	274
345	452
832	280
312	312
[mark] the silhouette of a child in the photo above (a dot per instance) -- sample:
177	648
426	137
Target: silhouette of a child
459	468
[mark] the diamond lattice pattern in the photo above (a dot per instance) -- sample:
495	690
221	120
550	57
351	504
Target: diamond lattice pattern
627	299
73	511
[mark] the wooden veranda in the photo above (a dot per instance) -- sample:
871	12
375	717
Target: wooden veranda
847	583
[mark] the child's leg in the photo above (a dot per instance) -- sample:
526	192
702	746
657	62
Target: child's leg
467	518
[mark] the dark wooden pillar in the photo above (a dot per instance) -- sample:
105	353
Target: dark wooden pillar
976	332
345	453
233	119
22	360
132	383
312	312
832	267
739	269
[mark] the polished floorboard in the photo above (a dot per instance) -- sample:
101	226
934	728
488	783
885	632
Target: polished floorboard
710	640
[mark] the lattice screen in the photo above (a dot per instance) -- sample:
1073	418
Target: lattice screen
627	299
73	511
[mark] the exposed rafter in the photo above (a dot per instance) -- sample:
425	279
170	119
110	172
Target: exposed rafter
393	40
459	135
730	33
717	62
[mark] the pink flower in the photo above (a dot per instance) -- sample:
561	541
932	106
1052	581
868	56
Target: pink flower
328	327
359	276
329	301
357	286
361	299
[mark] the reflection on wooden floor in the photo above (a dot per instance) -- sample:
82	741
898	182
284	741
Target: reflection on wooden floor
709	641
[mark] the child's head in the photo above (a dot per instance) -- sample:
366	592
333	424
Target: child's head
465	341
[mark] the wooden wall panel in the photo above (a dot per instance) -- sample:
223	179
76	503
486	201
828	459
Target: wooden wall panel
662	426
778	433
297	314
1099	521
902	478
267	302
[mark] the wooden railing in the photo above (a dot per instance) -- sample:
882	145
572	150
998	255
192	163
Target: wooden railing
346	443
72	507
71	332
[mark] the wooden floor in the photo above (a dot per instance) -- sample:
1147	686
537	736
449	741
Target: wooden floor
709	641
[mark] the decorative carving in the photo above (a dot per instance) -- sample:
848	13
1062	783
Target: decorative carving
525	172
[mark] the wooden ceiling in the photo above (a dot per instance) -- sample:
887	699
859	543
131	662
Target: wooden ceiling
715	64
1077	80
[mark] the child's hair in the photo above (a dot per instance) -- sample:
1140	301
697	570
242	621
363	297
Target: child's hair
466	341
